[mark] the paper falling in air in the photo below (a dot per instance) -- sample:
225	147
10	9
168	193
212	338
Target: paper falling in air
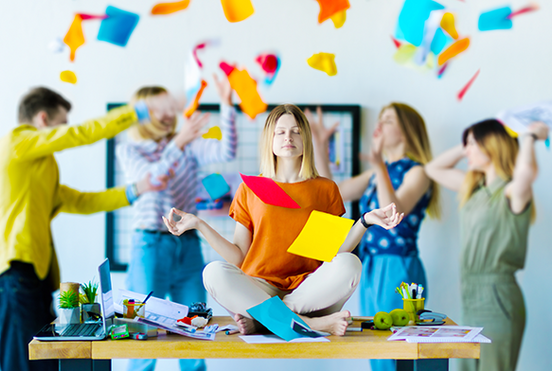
496	19
321	237
412	19
405	55
462	92
246	88
339	18
192	107
270	64
442	70
237	10
194	84
74	37
447	24
328	8
169	8
213	133
453	50
396	42
56	45
269	192
324	62
527	9
118	26
68	76
216	186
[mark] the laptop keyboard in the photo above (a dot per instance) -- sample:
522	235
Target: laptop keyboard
82	329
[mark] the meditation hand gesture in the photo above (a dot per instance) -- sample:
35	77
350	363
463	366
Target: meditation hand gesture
387	217
187	222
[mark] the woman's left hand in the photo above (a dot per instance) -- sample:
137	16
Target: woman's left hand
187	222
540	129
387	217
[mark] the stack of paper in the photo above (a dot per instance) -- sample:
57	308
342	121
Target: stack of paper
440	334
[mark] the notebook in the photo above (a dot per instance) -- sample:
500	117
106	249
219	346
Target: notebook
86	331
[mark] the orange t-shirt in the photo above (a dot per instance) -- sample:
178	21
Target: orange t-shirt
274	228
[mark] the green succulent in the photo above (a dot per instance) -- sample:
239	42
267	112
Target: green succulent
89	292
68	299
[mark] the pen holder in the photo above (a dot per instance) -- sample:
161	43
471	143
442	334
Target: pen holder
134	309
412	306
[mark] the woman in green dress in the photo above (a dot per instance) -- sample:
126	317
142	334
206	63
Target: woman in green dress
495	212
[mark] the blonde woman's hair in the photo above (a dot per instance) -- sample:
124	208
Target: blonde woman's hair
417	146
153	130
269	161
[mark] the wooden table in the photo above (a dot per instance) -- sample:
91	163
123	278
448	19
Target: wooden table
368	344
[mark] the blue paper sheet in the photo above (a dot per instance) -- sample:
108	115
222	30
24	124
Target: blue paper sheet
276	316
412	20
216	186
118	26
495	20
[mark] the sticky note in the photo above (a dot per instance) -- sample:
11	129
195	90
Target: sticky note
74	37
453	50
339	18
277	318
463	91
270	64
237	10
269	192
169	8
321	237
213	133
215	185
243	84
192	106
496	19
412	18
117	28
68	76
328	8
324	62
447	24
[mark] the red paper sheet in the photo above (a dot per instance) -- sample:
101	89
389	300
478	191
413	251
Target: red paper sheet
462	92
269	192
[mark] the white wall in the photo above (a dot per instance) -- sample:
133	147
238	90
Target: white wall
514	71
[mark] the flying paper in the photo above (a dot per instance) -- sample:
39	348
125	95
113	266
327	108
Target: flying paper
453	50
462	92
192	107
269	192
169	8
68	76
215	185
520	118
321	237
324	62
412	18
328	8
277	318
447	24
527	9
270	63
213	133
442	70
237	10
396	42
118	26
74	38
193	80
497	19
405	55
339	18
246	88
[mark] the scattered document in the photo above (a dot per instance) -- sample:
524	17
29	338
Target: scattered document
437	334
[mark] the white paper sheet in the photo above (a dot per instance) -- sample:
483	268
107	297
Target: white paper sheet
272	339
436	334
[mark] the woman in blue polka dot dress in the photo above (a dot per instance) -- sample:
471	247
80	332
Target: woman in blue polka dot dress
389	257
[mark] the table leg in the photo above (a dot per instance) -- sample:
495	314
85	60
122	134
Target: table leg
84	365
423	365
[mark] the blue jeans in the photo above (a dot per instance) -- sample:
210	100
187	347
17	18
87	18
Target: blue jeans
169	266
25	307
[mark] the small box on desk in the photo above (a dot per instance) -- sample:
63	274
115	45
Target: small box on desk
134	326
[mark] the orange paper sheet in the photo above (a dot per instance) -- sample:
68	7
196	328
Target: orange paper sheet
193	106
453	50
237	10
68	76
321	237
447	24
330	7
246	88
324	62
74	37
169	8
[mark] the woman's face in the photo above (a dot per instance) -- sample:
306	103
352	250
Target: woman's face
287	140
477	159
165	115
390	129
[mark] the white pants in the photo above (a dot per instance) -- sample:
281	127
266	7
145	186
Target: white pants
323	292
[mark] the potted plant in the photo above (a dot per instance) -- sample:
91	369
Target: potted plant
69	311
90	309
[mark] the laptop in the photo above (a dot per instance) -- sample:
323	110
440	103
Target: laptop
96	330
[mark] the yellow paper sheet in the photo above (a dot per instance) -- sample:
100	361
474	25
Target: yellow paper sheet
237	10
322	236
68	76
324	62
213	133
339	18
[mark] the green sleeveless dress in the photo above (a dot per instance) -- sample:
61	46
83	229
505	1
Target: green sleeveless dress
494	245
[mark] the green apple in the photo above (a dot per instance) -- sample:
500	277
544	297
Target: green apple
383	321
400	317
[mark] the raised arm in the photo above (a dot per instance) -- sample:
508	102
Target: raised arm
321	138
233	253
519	190
442	168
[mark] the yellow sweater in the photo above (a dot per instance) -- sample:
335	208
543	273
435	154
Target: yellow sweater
30	193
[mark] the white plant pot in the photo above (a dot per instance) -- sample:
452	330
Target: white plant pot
69	316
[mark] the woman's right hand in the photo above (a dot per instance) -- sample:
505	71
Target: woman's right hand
540	129
192	129
187	222
320	134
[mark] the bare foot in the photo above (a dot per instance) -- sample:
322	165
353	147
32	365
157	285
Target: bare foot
335	323
247	326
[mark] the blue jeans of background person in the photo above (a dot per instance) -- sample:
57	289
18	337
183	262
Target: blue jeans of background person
169	266
381	274
25	307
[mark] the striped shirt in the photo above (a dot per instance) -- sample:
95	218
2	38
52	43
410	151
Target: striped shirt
139	158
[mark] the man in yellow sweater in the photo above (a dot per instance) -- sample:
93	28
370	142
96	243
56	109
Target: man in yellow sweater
31	196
